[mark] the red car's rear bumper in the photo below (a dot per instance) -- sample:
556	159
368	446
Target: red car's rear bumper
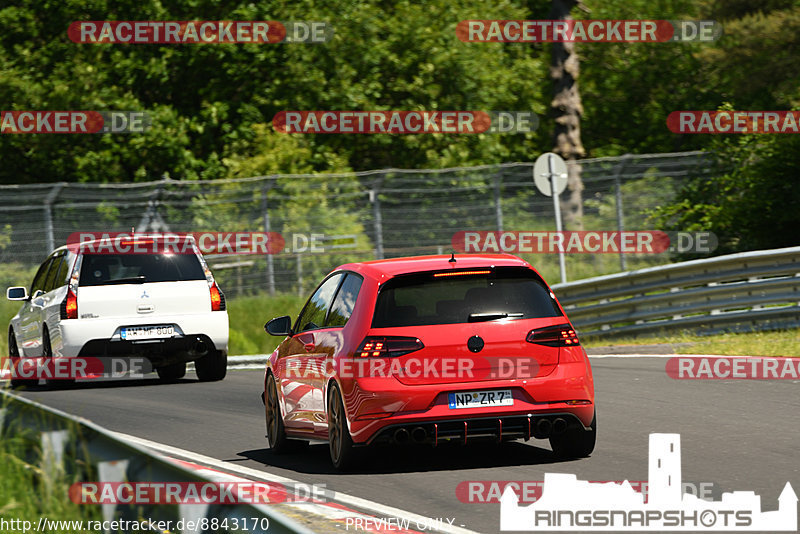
374	405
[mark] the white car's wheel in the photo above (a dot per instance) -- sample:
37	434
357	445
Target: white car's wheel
13	352
173	372
212	367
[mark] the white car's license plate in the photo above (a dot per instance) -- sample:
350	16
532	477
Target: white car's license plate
135	333
481	399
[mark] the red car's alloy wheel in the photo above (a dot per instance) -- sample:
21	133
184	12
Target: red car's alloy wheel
339	440
275	431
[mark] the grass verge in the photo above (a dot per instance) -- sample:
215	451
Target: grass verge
247	316
28	492
774	343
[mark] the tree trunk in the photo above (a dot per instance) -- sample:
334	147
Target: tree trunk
567	109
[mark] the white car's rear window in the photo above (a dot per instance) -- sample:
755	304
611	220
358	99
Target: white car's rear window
107	269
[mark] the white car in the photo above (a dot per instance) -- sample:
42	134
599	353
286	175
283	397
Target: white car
162	306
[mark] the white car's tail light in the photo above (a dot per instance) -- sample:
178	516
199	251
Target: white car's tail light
217	298
69	306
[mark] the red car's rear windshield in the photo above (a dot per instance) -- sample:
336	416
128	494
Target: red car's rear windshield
481	294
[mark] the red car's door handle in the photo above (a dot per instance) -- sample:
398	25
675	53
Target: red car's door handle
309	347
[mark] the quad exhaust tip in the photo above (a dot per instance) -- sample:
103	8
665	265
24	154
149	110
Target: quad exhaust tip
559	426
544	427
401	435
419	434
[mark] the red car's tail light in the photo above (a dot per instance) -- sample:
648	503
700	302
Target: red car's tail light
69	306
381	347
217	298
562	335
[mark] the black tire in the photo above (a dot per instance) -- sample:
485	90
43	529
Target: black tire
212	367
172	372
47	353
340	443
575	442
13	352
276	433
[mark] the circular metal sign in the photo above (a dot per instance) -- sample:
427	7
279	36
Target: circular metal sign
545	164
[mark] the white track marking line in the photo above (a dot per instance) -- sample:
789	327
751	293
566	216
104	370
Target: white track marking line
337	513
593	356
356	502
677	356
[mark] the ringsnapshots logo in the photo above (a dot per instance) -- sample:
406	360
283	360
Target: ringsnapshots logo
405	122
569	504
73	122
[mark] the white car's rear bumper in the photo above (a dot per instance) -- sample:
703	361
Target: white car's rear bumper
92	334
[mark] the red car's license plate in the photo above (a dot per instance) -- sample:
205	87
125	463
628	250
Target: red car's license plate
481	399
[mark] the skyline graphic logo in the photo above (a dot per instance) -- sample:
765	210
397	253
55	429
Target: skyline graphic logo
569	504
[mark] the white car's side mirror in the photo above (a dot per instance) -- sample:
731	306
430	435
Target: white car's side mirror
17	293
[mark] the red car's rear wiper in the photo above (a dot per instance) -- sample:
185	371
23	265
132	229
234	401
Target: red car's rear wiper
479	317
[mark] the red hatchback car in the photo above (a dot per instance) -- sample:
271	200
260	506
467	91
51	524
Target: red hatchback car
429	349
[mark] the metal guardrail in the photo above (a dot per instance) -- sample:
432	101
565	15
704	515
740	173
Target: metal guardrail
63	435
739	292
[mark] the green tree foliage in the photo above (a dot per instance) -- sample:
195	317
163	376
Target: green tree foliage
212	105
754	205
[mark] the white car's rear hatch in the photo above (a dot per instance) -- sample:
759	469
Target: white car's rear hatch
140	300
141	285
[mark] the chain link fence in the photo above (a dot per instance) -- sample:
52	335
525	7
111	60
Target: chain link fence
356	216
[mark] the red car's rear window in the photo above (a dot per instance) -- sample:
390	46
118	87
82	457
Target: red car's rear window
476	295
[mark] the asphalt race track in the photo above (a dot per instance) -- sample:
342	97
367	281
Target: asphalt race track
736	434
